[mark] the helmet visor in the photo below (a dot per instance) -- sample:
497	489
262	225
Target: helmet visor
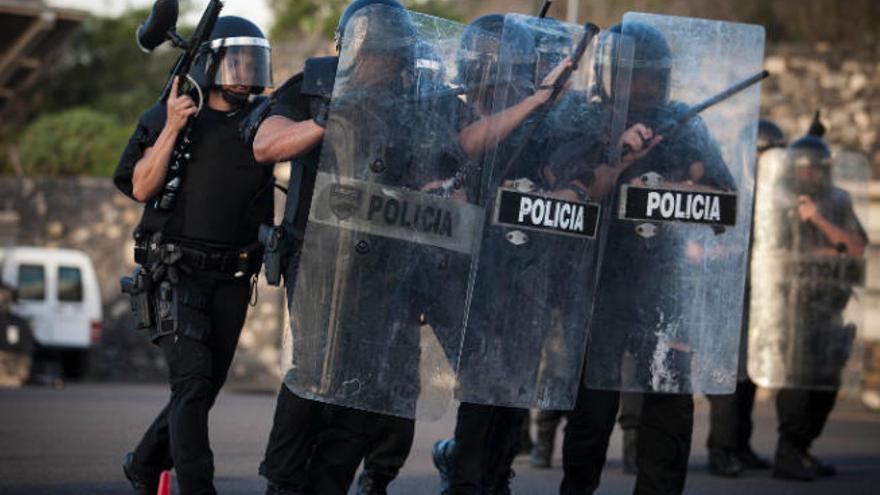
243	61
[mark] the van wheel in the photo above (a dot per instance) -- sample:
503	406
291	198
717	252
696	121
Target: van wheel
75	363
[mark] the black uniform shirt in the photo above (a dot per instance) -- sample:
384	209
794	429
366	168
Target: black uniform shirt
225	194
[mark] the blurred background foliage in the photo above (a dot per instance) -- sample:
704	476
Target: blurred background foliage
78	141
317	18
83	110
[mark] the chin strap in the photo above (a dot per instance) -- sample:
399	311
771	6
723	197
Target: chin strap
235	99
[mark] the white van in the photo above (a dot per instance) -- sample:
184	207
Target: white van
58	293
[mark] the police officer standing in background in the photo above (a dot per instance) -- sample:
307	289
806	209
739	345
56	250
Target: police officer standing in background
730	426
197	244
825	225
16	342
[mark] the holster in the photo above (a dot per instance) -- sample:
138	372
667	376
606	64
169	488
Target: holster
138	287
182	309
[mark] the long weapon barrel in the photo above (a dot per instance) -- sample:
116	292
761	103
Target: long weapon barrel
697	109
545	8
711	102
192	47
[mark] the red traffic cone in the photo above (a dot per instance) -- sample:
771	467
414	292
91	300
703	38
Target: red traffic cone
164	483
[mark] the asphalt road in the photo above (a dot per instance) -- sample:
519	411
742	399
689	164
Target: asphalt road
70	441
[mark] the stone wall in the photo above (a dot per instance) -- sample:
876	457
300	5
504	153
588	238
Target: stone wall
90	215
843	81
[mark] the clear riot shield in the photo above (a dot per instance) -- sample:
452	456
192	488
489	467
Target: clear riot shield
534	274
669	304
377	313
807	300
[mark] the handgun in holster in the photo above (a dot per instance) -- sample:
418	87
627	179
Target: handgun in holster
167	310
272	239
138	287
182	310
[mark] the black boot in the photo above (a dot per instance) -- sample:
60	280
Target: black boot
724	463
502	483
277	489
750	460
822	468
142	485
372	484
630	443
794	464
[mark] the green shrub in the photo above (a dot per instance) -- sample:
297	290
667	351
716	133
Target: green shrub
79	141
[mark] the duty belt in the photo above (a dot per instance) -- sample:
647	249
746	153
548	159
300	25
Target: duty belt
240	262
237	263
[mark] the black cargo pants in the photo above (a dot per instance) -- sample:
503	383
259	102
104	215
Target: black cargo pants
197	369
486	442
664	441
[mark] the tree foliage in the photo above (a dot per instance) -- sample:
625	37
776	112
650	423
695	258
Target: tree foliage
106	71
318	18
80	141
87	105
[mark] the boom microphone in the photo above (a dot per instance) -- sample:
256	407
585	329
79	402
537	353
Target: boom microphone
154	31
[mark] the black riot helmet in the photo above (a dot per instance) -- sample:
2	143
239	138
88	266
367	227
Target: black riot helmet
481	52
237	54
809	160
551	39
350	11
769	136
380	43
643	49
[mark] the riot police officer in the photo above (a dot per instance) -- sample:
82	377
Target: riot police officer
730	418
826	225
292	130
689	156
509	140
316	447
196	244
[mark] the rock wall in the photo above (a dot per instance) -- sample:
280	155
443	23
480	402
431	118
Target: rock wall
89	214
843	81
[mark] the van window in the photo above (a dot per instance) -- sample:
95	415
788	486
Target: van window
31	282
69	284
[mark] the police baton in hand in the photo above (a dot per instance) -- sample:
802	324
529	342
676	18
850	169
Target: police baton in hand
590	32
618	153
